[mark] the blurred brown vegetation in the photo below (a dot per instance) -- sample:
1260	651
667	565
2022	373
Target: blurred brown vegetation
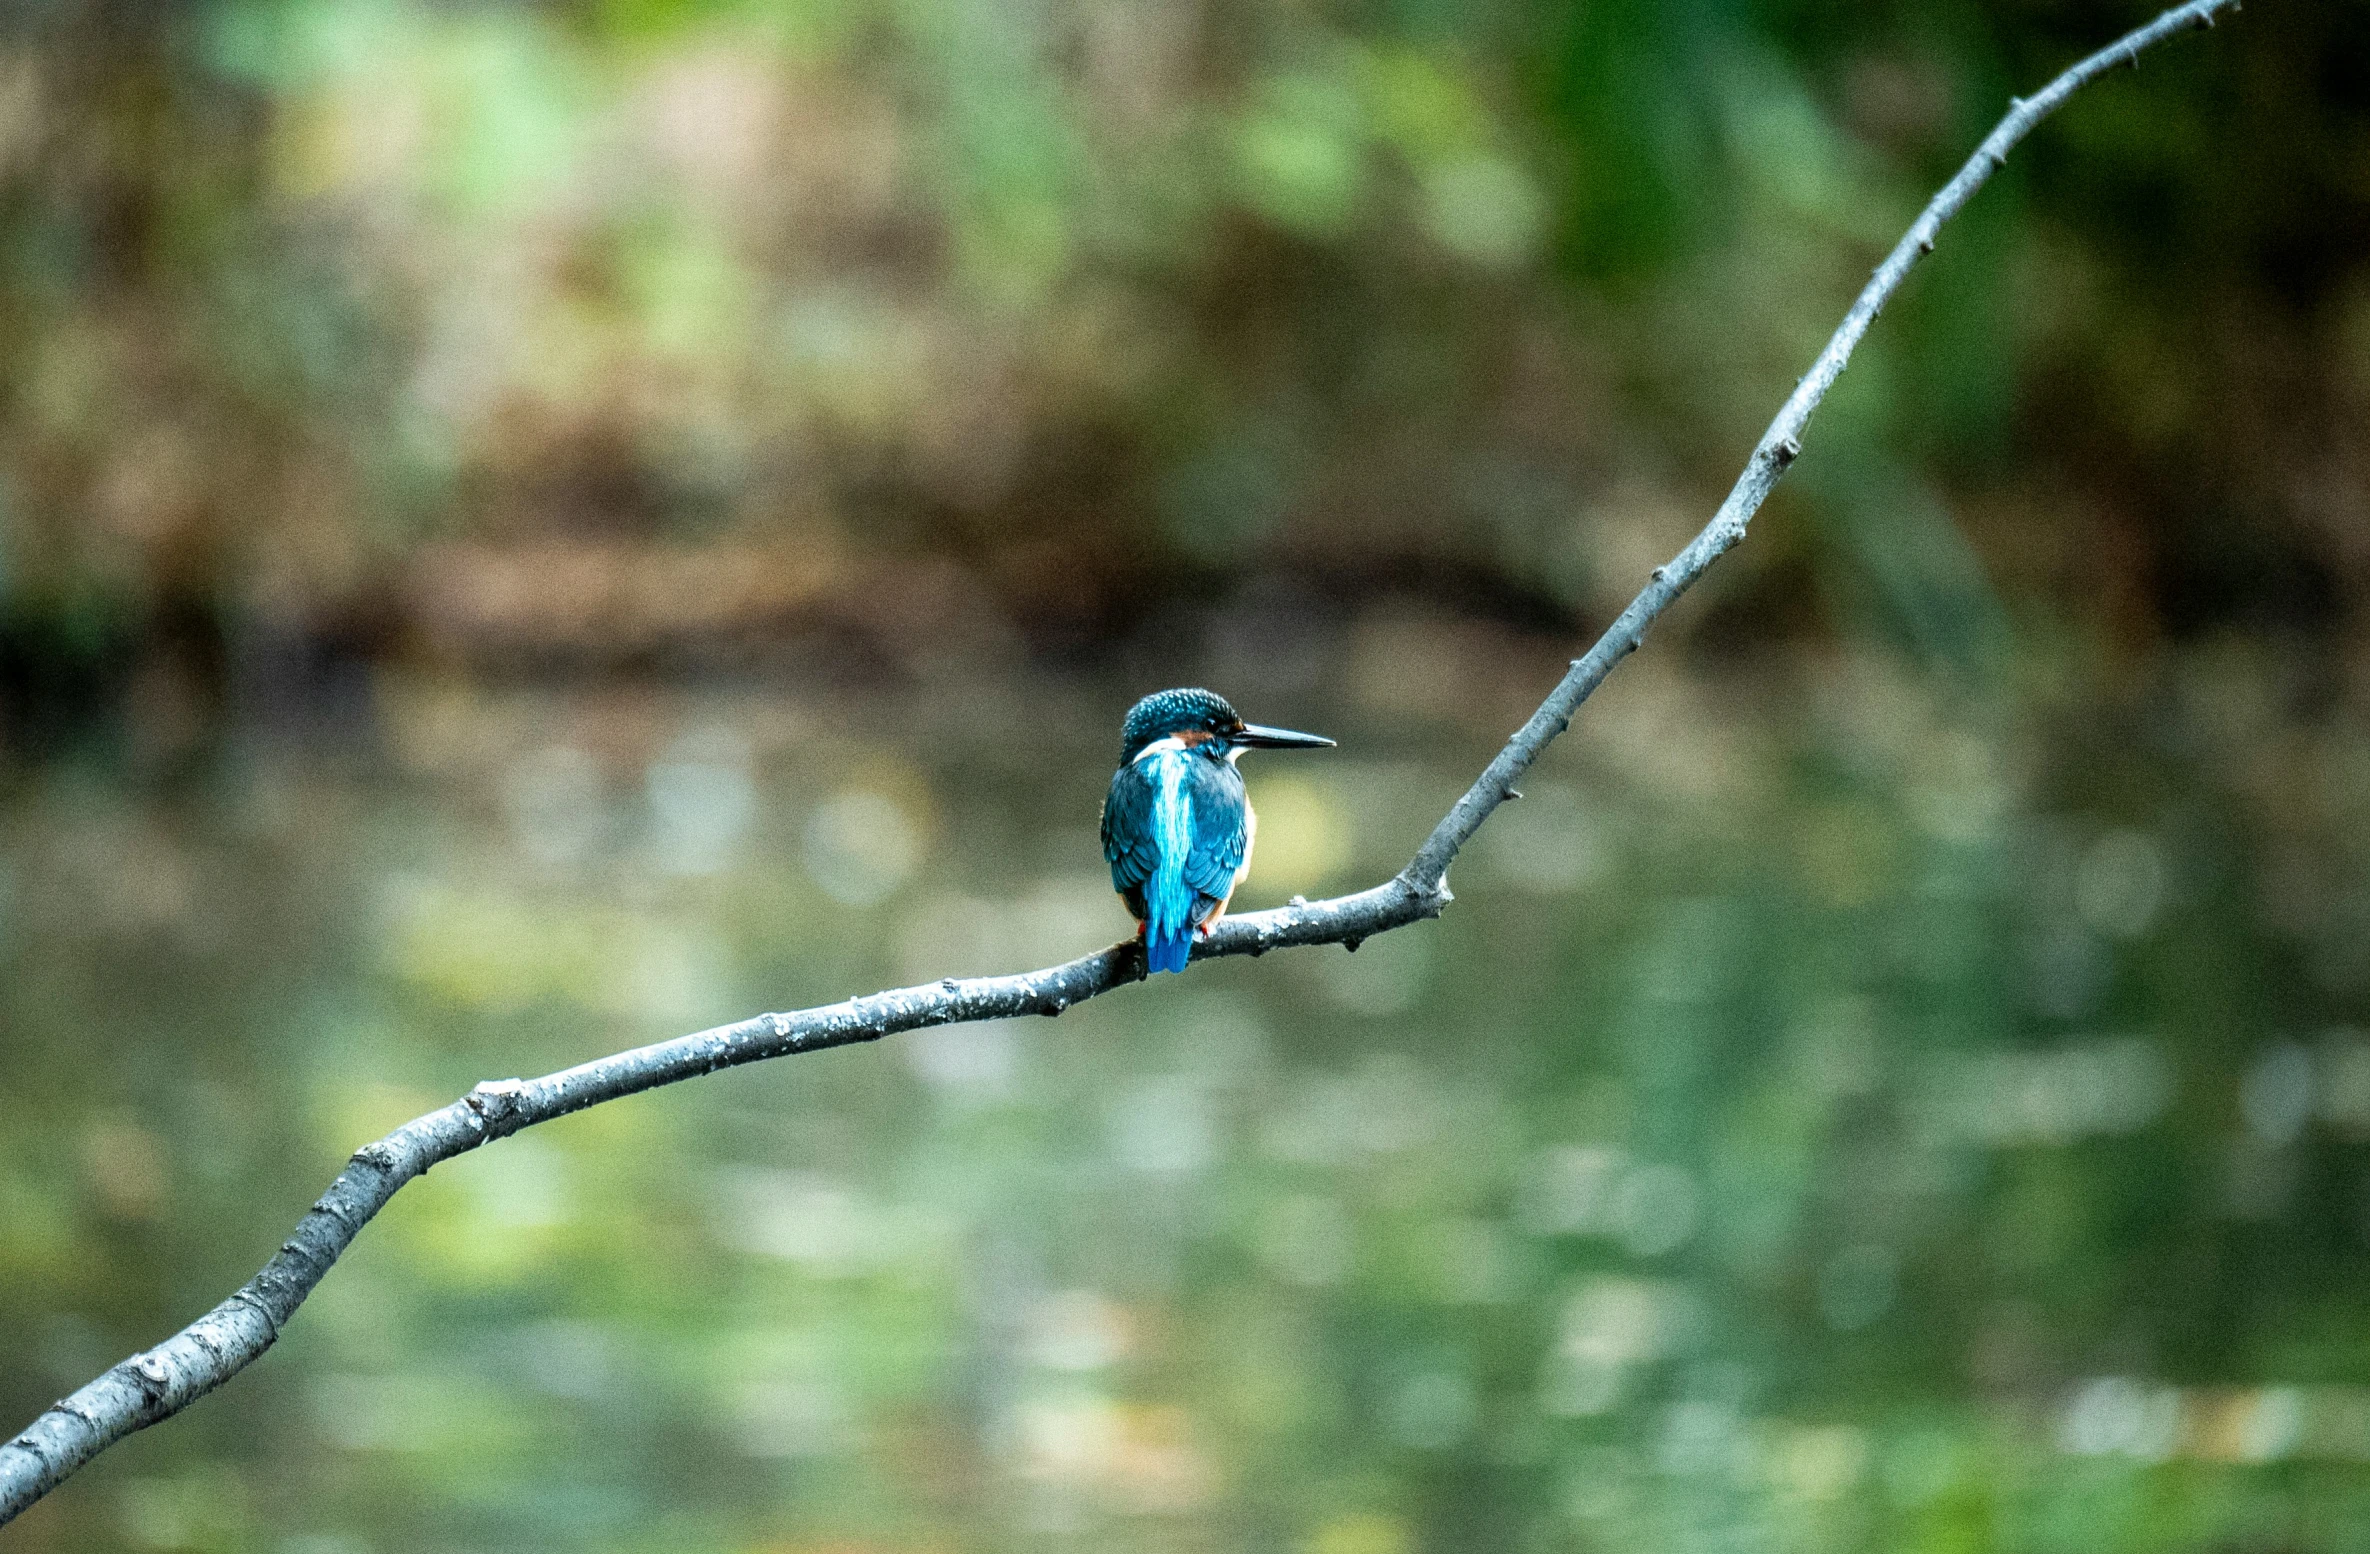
554	339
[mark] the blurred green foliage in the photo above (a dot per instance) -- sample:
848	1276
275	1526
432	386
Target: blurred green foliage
1111	302
525	529
1836	1125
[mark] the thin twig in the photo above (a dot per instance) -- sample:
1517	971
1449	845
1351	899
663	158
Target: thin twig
162	1381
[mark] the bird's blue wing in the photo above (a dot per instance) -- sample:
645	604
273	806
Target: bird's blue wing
1131	845
1221	830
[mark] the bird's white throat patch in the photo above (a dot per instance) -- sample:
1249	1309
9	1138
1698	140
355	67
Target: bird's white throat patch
1177	743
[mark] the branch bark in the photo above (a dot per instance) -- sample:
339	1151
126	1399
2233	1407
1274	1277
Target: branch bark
160	1382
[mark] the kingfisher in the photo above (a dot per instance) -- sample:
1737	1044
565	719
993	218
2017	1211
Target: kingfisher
1177	825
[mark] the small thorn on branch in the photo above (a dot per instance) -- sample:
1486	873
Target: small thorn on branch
495	1101
1514	793
1788	449
1925	242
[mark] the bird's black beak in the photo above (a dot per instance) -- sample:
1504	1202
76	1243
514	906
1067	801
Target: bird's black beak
1258	738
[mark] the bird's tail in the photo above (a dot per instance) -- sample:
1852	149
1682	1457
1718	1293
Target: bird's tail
1169	901
1161	954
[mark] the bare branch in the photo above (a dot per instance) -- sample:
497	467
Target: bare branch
162	1381
1780	445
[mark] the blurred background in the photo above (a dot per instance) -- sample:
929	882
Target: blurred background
526	529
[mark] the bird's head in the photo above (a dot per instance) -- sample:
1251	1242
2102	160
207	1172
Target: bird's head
1205	721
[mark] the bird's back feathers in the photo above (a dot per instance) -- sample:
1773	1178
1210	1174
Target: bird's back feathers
1177	834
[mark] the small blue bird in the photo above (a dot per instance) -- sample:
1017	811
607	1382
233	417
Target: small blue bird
1177	826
